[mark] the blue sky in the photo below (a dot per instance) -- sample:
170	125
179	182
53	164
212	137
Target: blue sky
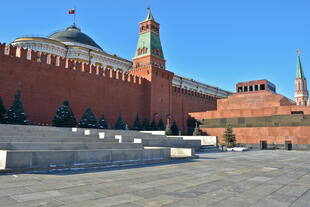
217	42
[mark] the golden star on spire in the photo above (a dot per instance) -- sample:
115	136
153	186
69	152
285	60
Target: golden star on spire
298	51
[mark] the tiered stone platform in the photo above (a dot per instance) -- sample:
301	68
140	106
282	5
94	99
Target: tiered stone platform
24	147
150	140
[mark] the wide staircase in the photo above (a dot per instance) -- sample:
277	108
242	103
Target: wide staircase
148	139
32	147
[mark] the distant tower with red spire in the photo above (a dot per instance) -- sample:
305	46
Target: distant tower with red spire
301	91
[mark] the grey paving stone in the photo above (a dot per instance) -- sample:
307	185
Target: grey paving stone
37	196
269	202
231	202
115	200
40	203
260	179
7	200
255	178
77	198
158	201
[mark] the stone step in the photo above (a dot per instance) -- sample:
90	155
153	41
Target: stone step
19	159
209	149
172	143
65	146
60	140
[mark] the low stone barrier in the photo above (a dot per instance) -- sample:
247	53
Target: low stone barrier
181	152
205	140
154	132
62	158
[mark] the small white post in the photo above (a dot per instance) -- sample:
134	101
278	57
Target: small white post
137	140
87	132
119	137
101	135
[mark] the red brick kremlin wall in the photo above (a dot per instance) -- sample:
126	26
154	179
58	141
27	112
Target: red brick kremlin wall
44	87
257	105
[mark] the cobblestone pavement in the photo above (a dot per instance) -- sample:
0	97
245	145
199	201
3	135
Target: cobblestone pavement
255	178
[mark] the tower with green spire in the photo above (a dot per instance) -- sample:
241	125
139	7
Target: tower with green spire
149	44
301	91
149	63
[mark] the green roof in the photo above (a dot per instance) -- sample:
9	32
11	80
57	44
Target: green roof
74	34
149	16
149	40
299	72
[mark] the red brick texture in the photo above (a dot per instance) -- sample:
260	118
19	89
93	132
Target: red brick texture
44	87
298	134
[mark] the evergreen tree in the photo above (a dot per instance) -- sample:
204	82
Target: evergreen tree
190	123
161	125
16	114
197	130
88	119
103	124
175	128
146	124
168	129
120	124
137	124
64	116
2	112
229	138
153	125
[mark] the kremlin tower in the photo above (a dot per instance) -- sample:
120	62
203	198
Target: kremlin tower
301	91
149	63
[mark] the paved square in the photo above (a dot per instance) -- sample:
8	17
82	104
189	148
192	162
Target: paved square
255	178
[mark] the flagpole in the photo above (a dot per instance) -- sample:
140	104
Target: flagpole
74	16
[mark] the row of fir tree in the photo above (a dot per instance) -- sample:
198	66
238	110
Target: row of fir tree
64	117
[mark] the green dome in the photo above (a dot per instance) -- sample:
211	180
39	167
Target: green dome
74	35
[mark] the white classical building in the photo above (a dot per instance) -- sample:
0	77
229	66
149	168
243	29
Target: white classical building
72	43
192	85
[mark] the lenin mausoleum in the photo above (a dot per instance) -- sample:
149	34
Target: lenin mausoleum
257	113
69	65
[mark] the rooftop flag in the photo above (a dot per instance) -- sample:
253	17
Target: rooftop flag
72	11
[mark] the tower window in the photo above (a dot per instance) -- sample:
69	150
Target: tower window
144	50
251	88
245	89
159	52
